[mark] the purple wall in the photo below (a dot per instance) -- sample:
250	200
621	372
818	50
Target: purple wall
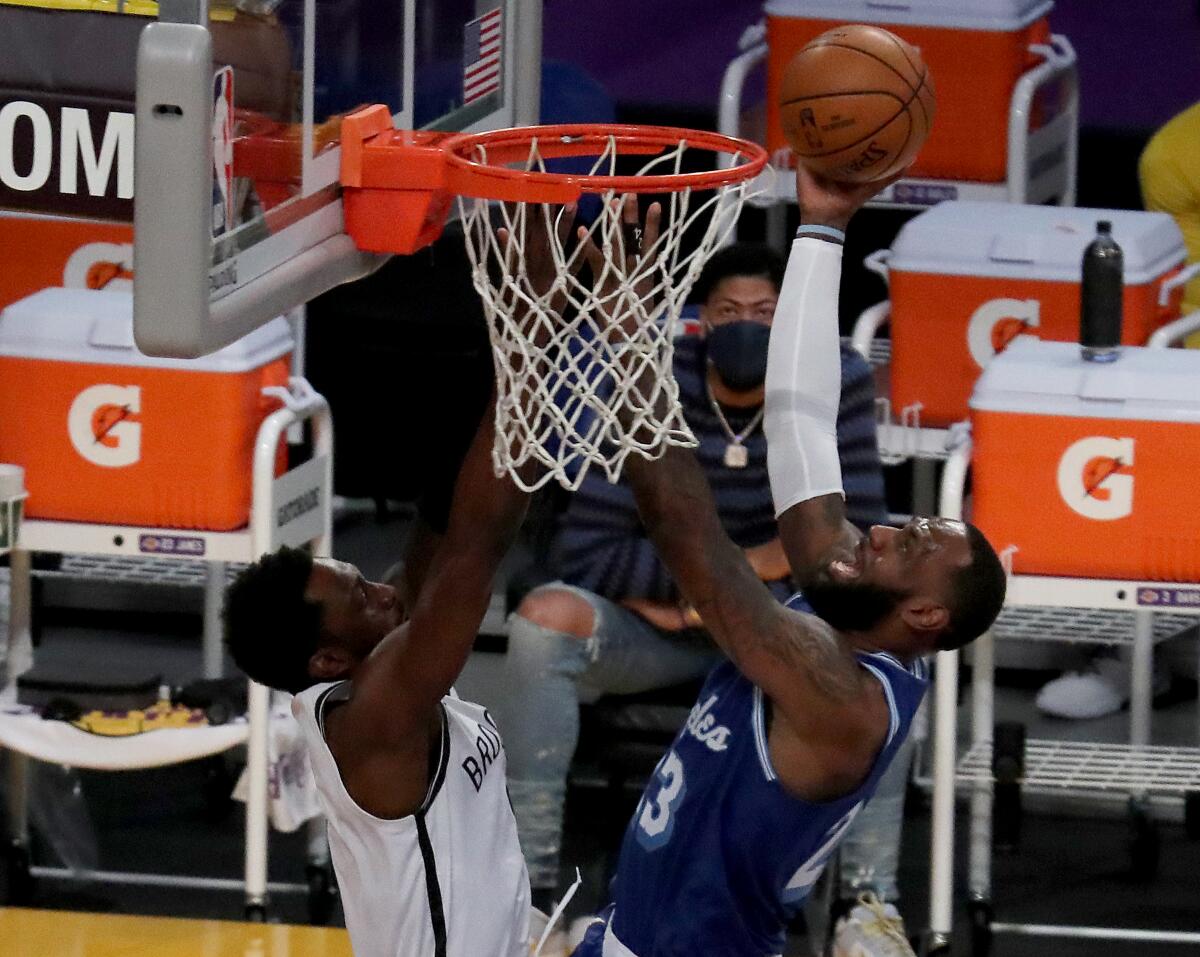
1139	60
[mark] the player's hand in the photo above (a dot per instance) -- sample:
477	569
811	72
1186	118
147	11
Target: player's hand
535	246
826	202
622	255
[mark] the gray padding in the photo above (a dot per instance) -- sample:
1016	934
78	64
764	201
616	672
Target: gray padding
172	214
329	263
172	208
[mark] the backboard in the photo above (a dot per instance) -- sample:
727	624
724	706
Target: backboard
237	212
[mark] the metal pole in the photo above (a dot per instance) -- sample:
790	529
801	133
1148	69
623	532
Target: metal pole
941	870
20	615
214	599
1141	678
983	717
924	484
527	54
18	798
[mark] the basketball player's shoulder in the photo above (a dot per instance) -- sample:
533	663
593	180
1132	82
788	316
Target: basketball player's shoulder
310	700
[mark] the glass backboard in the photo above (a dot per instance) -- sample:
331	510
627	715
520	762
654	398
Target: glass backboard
237	212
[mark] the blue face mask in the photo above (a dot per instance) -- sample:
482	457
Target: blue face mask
738	351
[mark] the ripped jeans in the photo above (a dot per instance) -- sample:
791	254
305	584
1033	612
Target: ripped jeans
547	674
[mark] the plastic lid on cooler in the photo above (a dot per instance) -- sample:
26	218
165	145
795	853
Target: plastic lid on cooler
90	325
1010	240
1035	376
998	15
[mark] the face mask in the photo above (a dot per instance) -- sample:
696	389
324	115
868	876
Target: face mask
738	350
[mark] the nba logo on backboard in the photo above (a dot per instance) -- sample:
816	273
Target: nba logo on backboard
222	141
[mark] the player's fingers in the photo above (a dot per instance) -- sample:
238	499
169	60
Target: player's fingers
629	208
653	226
631	229
591	252
566	219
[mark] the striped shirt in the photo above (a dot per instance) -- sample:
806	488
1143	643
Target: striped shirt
602	546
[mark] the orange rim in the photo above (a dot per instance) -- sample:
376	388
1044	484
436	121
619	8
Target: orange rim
475	161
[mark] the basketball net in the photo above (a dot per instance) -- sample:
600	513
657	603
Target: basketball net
584	369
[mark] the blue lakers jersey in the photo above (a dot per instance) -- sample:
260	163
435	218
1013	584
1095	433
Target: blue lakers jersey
718	856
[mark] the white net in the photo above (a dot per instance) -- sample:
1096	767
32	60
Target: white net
583	357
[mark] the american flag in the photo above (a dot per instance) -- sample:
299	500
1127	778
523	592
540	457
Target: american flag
481	55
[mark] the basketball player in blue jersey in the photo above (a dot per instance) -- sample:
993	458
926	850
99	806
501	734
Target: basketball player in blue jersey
790	737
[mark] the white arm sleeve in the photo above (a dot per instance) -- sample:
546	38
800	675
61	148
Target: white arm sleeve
804	377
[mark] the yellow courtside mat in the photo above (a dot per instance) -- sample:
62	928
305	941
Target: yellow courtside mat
57	933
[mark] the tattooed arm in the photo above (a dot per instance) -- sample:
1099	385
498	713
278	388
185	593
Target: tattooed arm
801	663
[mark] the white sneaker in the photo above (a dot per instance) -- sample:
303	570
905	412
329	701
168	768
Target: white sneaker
1101	690
871	929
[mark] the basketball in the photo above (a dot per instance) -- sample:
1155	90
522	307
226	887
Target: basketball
856	103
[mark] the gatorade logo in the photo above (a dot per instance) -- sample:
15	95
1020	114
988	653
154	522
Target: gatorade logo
1095	478
103	426
997	323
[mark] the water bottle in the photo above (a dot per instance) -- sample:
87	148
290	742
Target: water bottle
1101	295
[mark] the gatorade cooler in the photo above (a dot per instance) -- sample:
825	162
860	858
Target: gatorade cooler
1089	468
109	435
975	49
966	278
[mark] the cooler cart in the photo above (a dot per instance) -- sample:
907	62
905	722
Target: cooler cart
1007	126
1106	604
58	336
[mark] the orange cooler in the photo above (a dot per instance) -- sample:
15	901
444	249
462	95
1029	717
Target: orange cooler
975	49
966	278
1089	469
109	435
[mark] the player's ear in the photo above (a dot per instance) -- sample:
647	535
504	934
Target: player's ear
329	662
924	614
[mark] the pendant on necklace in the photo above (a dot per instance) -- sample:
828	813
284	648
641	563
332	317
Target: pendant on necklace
736	456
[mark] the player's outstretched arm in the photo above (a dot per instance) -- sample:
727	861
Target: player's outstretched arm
803	386
406	678
798	660
400	685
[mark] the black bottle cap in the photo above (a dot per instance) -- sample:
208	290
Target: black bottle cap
1104	226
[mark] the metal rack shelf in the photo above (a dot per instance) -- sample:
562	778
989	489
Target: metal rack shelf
186	557
1093	766
119	568
1054	608
1096	626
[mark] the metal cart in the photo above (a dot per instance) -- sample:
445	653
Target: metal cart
119	547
